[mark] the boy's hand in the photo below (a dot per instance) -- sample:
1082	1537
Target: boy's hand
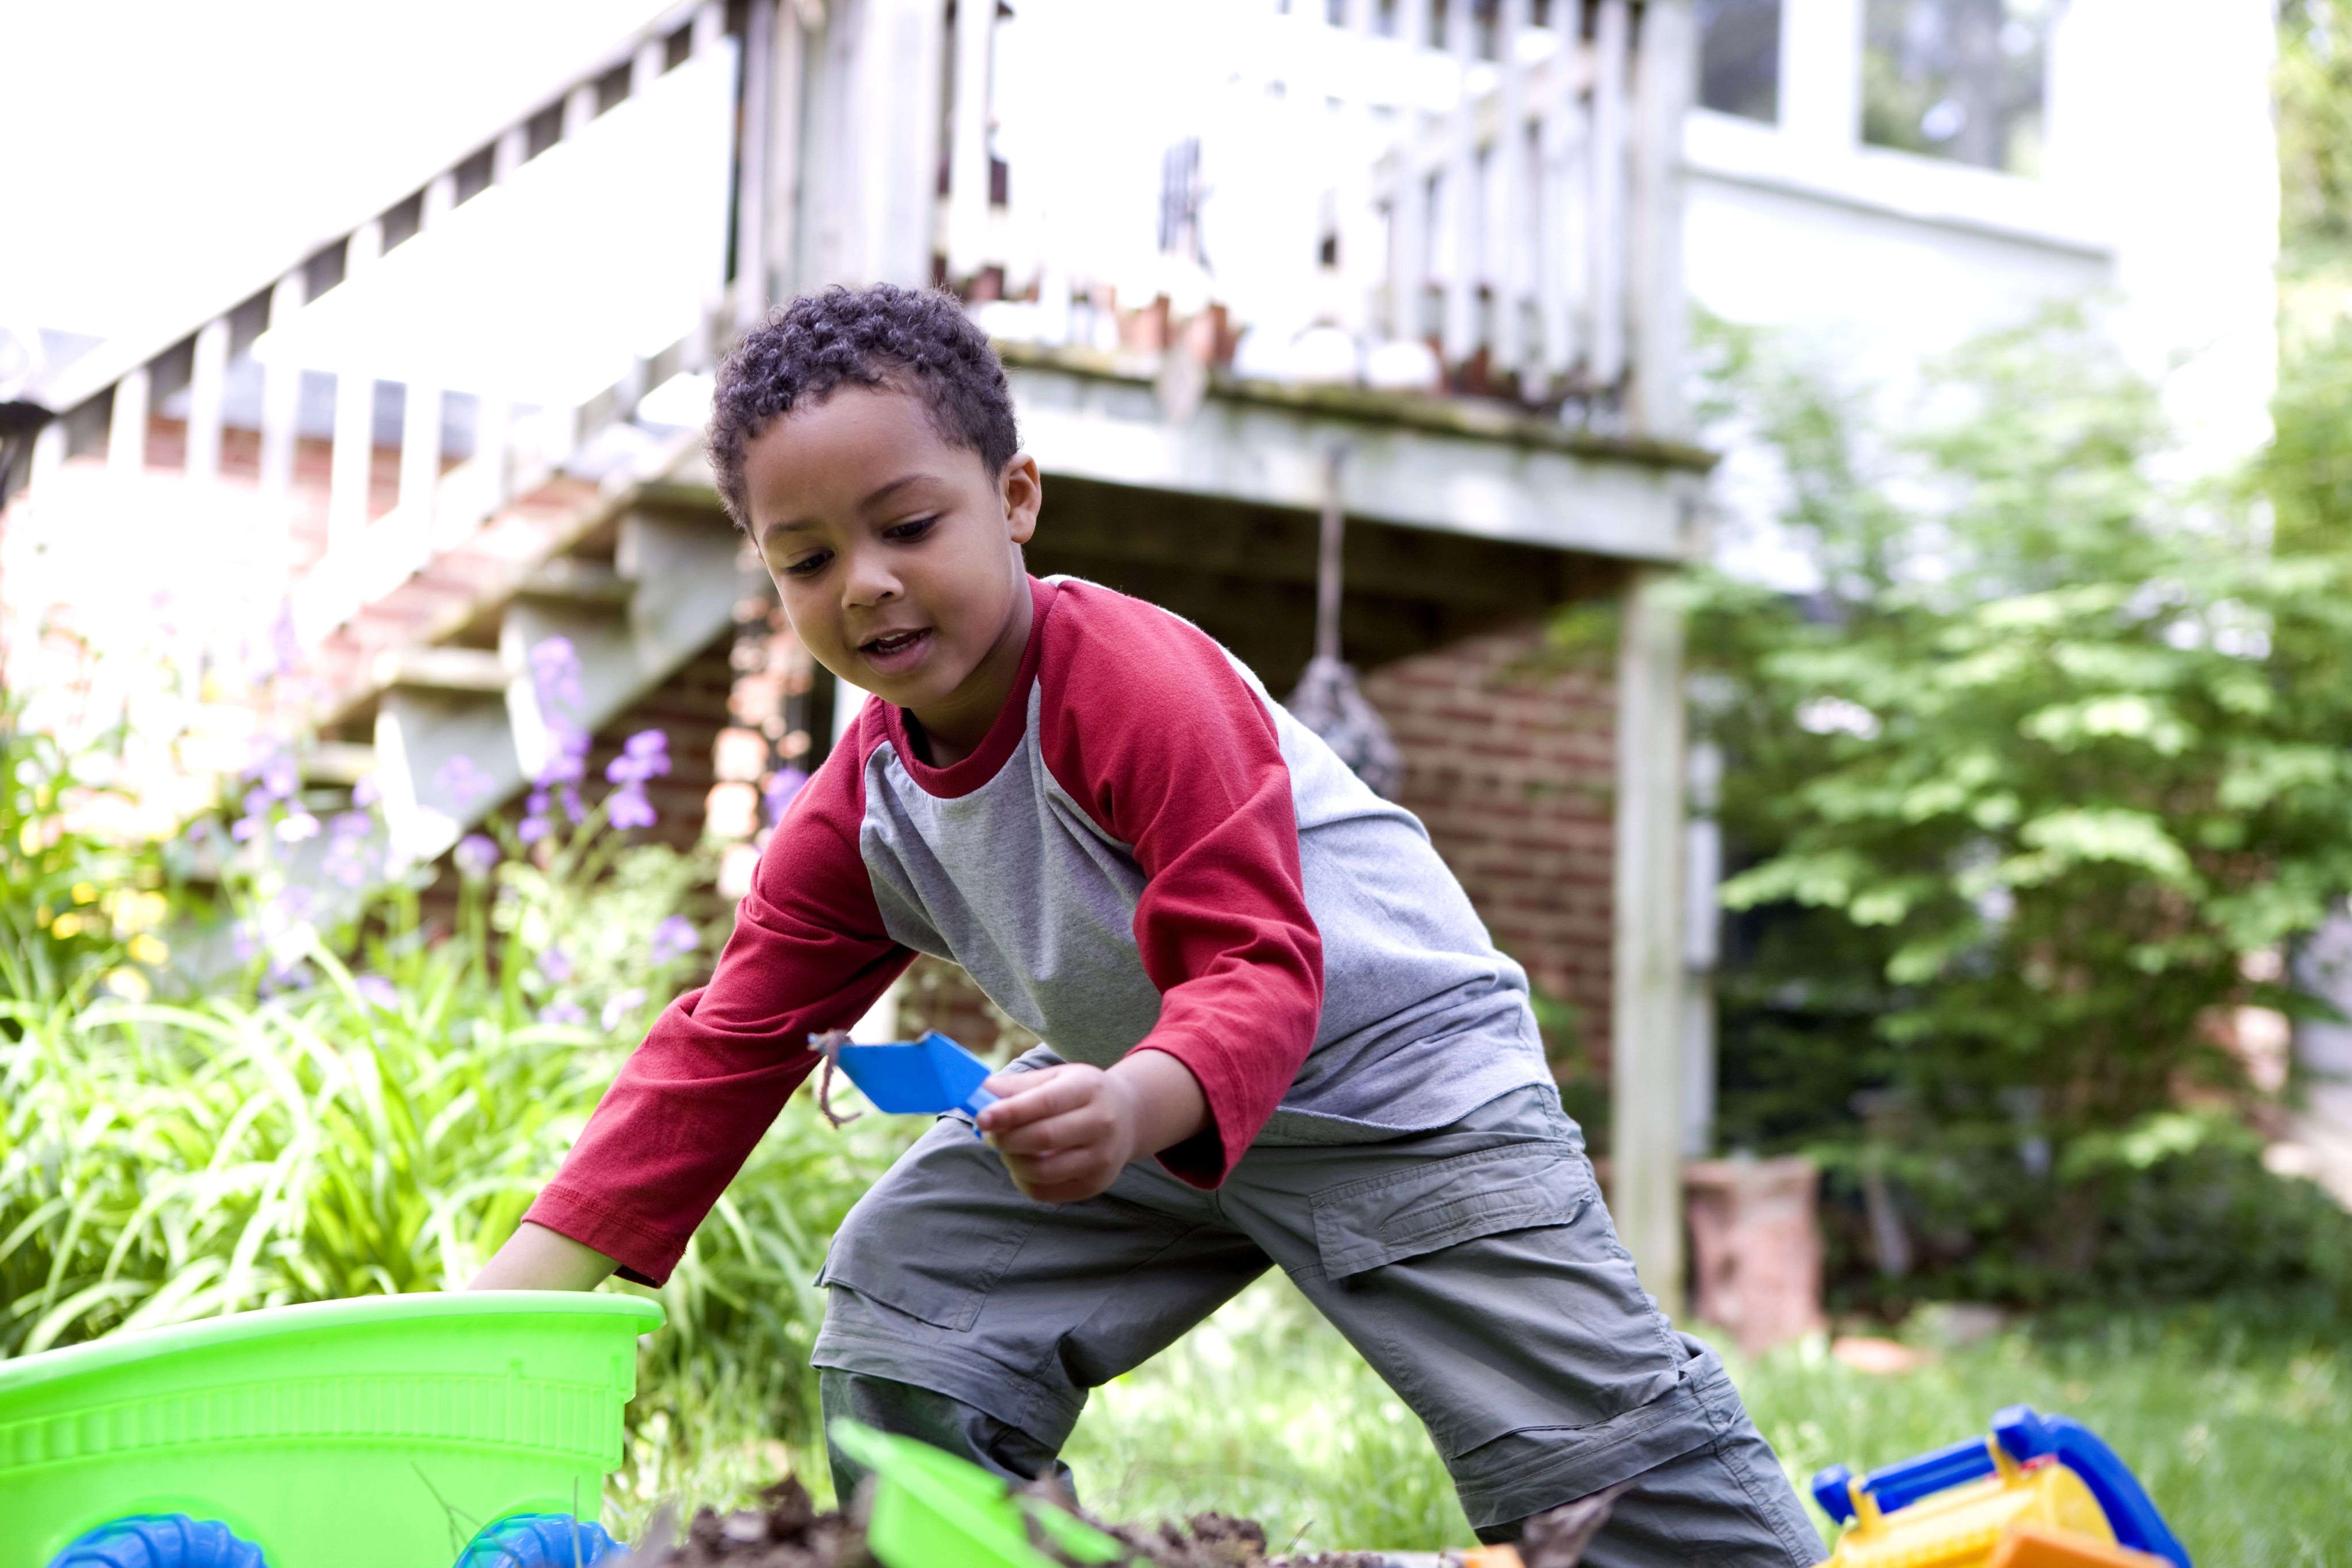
1066	1131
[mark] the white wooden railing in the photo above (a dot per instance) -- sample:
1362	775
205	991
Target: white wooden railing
106	399
1494	180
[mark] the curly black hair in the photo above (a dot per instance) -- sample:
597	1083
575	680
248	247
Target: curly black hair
911	340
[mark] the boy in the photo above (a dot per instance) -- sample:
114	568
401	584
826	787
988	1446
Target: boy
1277	1032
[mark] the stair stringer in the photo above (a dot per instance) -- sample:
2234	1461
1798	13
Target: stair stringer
686	575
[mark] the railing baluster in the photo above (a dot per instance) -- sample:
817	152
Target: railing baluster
1512	223
207	373
420	424
1409	206
968	175
282	390
1562	253
645	65
1665	84
126	436
49	456
752	163
709	27
1357	223
578	108
784	150
507	152
1460	335
348	474
1606	199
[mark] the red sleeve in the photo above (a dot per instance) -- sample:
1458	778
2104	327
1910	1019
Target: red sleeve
1192	779
808	954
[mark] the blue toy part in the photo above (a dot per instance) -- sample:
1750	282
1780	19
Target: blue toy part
1834	1490
2131	1513
2023	1435
160	1541
929	1077
540	1540
1901	1484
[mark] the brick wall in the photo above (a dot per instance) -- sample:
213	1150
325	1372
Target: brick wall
1510	761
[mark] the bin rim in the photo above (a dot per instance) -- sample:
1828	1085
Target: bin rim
269	1322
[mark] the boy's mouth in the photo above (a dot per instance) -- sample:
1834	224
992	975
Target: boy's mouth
894	651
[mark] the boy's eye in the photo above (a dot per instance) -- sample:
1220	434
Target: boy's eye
906	532
808	566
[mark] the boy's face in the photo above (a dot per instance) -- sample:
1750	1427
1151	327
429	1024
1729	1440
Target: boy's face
897	554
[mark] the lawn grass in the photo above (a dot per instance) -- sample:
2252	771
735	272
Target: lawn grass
2242	1434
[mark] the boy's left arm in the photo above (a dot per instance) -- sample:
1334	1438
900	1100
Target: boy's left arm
1147	725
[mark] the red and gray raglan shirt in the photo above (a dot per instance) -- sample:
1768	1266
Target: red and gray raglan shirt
1146	852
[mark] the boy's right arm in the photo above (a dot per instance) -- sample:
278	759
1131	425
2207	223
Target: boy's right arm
809	953
537	1258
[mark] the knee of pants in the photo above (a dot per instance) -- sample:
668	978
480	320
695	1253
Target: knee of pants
945	1423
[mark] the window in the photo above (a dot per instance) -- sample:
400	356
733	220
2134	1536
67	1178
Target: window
1956	79
1739	57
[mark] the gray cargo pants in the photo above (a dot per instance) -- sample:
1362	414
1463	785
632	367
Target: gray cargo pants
1474	1267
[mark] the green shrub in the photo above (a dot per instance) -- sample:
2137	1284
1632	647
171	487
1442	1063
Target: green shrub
2031	792
338	1096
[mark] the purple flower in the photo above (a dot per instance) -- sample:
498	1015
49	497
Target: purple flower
347	861
619	1007
646	755
555	674
783	786
569	763
244	941
475	855
285	648
556	965
257	801
366	792
377	992
277	775
673	939
630	808
244	828
572	809
462	779
532	829
562	1013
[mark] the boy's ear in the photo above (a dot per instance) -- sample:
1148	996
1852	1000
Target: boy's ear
1023	492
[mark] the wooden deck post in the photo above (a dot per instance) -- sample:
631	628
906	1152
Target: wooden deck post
1646	1047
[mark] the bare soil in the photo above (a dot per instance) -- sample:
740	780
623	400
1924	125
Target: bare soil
787	1531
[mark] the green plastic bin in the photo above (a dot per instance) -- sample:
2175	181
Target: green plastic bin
932	1509
376	1432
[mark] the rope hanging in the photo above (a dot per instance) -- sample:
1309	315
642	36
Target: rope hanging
1327	699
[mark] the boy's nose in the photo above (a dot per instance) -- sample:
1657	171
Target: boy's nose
868	580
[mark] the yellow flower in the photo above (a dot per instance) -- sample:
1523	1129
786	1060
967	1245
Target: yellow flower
84	892
129	984
149	949
41	917
28	838
66	927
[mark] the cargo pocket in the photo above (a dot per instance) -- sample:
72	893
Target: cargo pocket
932	1238
1383	1219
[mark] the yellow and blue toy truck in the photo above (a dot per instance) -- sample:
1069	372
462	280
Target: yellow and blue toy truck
2038	1492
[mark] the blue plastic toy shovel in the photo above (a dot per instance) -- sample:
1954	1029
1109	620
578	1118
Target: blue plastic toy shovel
929	1077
